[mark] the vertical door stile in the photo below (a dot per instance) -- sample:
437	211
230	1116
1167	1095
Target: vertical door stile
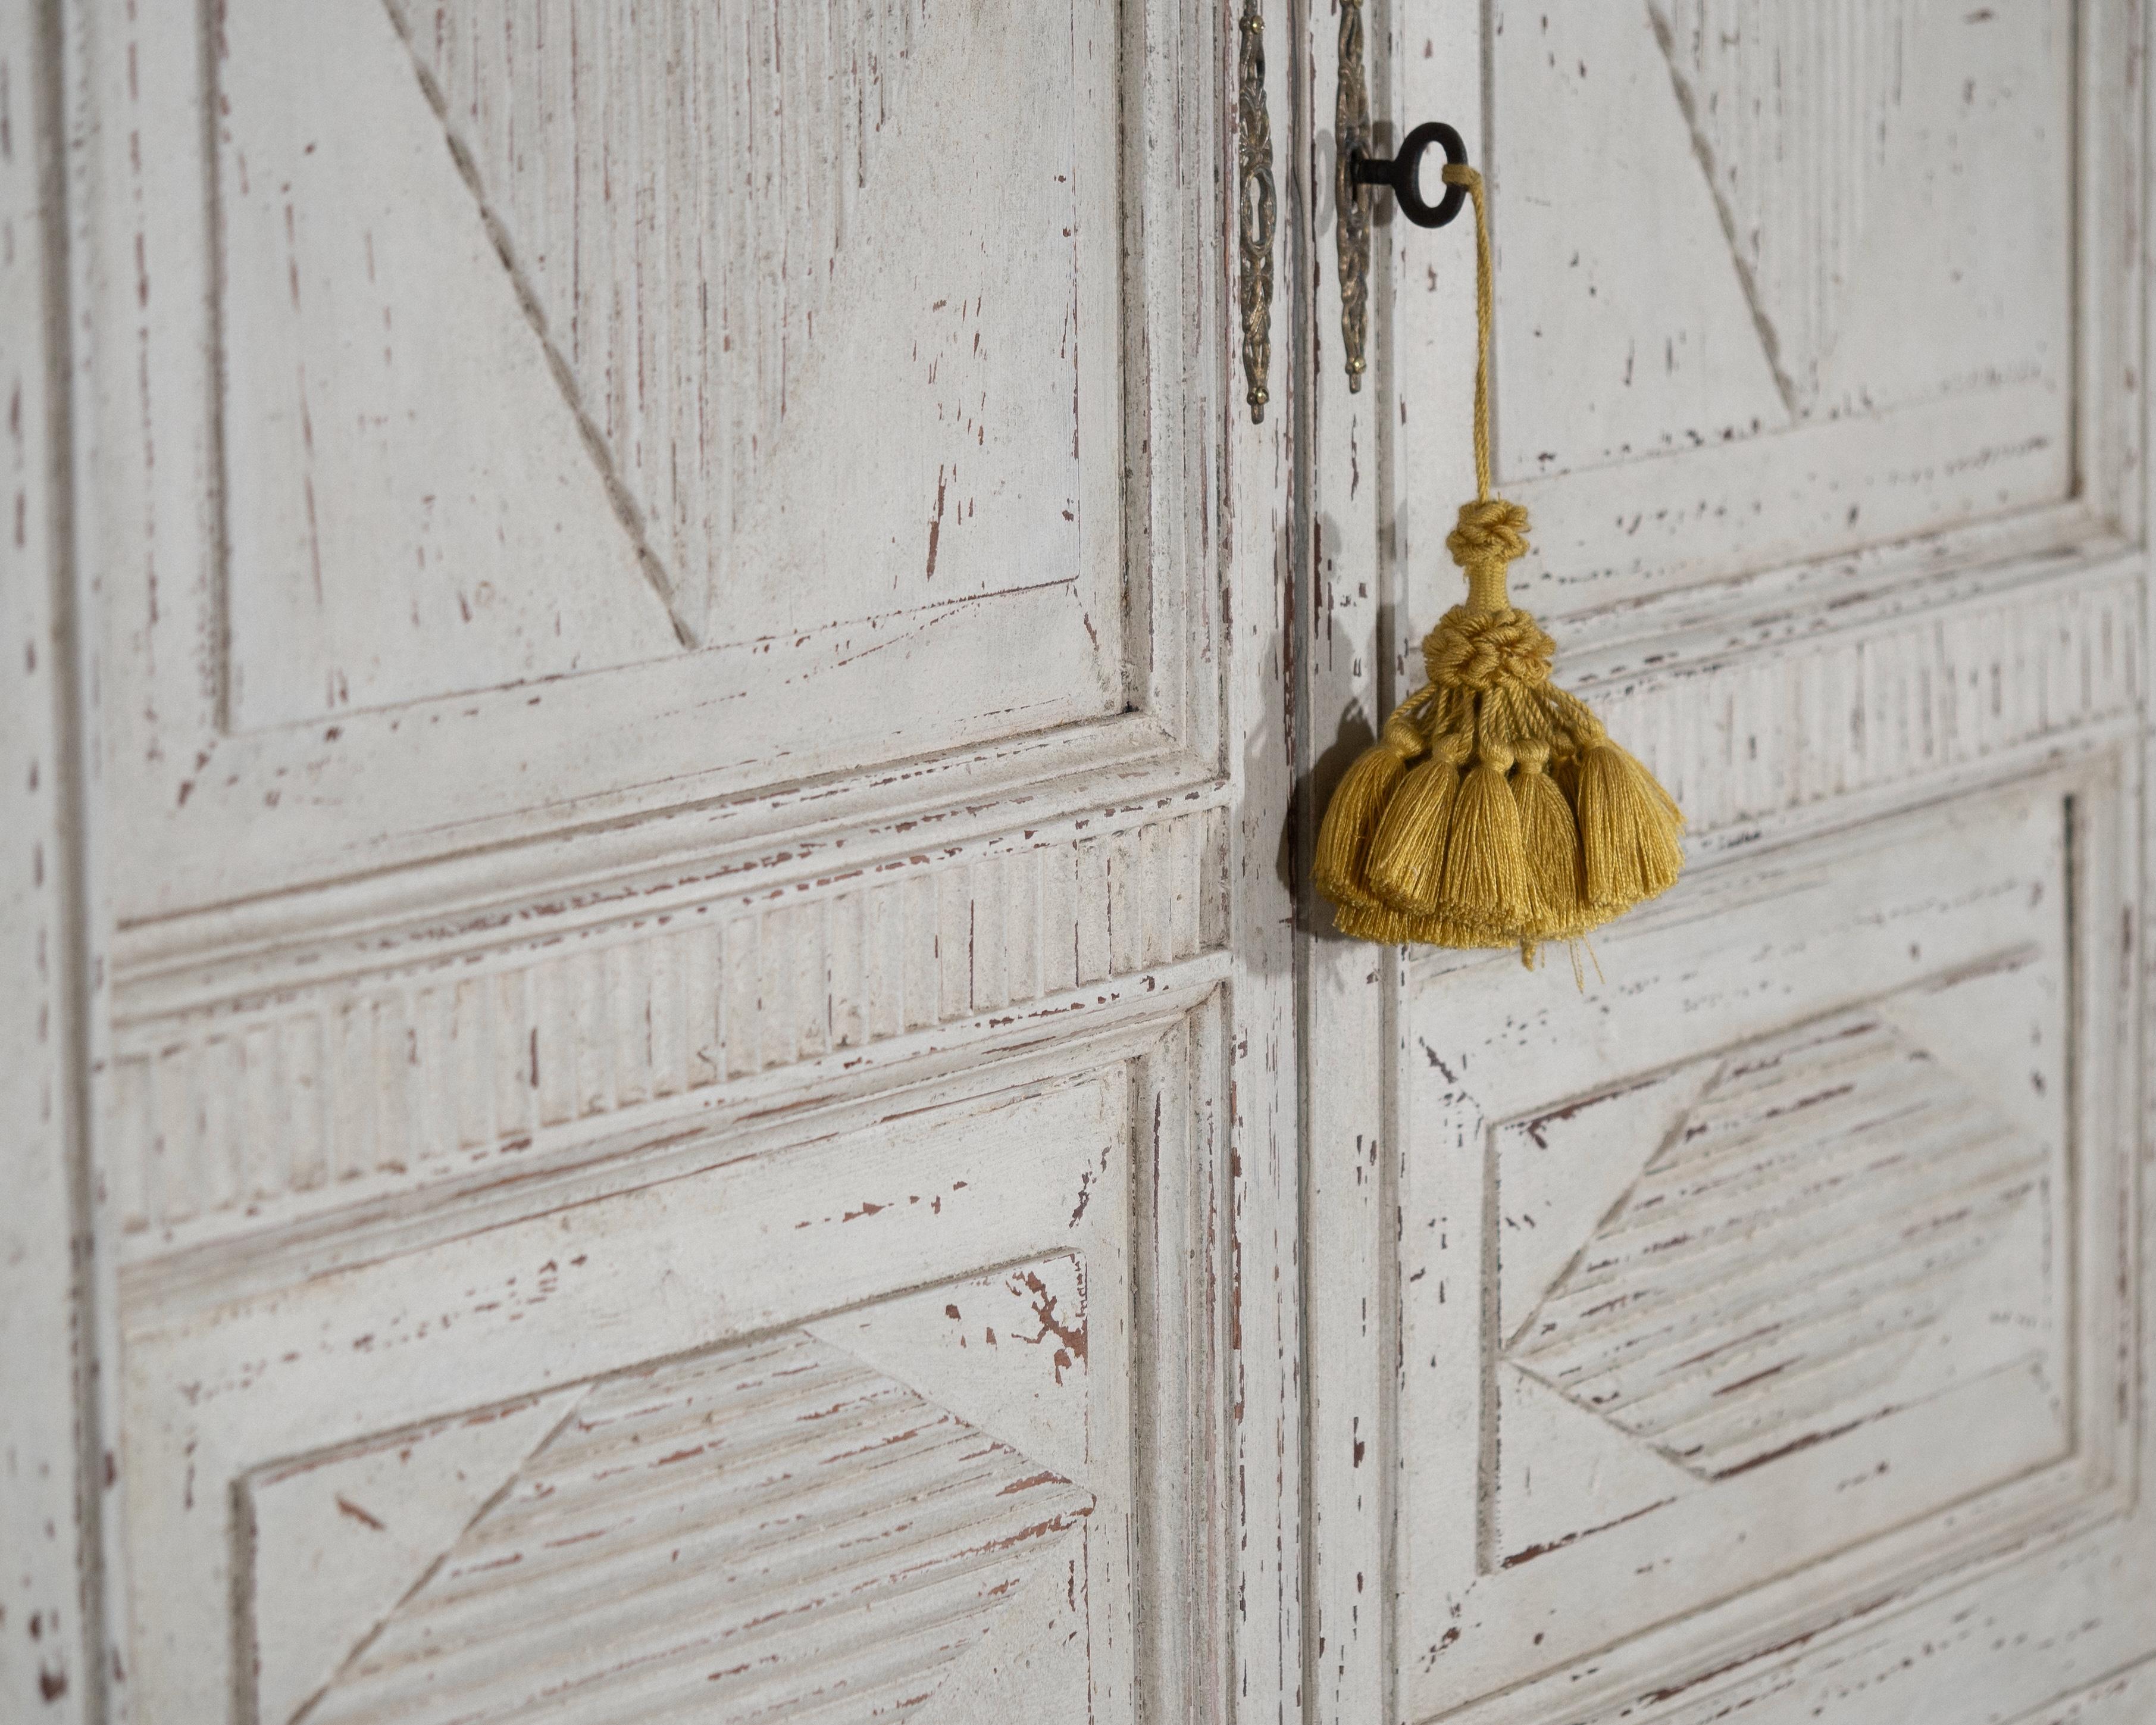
1347	1006
1257	861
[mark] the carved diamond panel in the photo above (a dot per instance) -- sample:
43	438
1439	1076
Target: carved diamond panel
677	190
1792	110
873	1413
742	1535
623	420
1764	1264
1801	1226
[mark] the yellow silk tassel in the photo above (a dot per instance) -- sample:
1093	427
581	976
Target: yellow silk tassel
1494	811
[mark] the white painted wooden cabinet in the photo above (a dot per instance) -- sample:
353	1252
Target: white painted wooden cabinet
664	1053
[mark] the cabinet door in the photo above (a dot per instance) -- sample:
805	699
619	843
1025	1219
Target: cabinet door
689	1007
1754	1323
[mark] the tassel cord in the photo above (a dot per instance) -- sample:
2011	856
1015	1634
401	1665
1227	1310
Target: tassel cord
1486	295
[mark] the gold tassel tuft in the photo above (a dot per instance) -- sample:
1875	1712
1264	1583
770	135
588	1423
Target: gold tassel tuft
1351	818
1526	823
1485	880
1408	852
1393	928
1551	839
1629	831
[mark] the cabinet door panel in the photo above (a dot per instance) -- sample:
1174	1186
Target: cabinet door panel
577	413
1818	293
687	1001
1744	1313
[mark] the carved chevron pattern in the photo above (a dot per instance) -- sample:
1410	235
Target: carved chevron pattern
1784	1251
758	1534
670	183
1789	107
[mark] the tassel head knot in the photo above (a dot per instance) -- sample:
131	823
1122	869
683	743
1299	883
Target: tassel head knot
1491	530
1477	650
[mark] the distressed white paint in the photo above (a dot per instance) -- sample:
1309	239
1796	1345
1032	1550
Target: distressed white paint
738	1533
635	369
752	1248
1832	1291
658	934
684	882
1818	293
48	1655
463	1052
338	1543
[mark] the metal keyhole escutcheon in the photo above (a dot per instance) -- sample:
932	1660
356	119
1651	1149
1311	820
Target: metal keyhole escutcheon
1357	174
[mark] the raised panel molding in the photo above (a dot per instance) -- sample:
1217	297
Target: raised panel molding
912	1411
371	1061
443	1055
1883	1665
1797	1232
1645	1386
1733	389
1018	586
618	337
2127	1697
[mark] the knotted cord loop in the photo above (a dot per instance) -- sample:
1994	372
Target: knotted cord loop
1490	529
1479	650
1491	532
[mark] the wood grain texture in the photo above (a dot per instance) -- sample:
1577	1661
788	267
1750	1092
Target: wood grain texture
2120	1699
1262	1671
1071	592
1724	378
652	310
677	196
1352	569
1795	723
1839	505
1772	1312
536	915
848	933
411	511
1791	111
2053	1638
